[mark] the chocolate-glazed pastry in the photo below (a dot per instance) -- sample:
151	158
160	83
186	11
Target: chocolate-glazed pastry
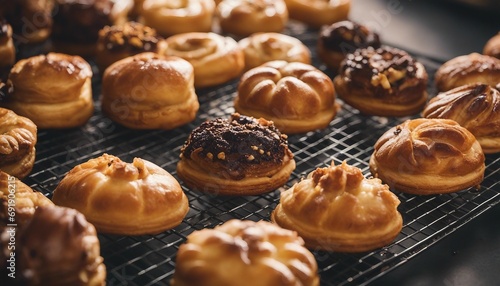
341	38
7	50
475	107
384	82
236	156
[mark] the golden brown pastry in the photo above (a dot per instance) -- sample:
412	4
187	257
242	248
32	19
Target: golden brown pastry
317	13
297	97
216	59
18	136
384	82
52	90
471	68
175	17
428	156
120	41
149	91
341	38
240	155
245	253
492	47
336	209
245	17
260	48
123	198
475	107
7	50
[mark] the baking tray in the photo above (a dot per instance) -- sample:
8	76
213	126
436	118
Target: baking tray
150	260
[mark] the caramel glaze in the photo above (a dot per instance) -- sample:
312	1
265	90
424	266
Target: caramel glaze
347	36
131	36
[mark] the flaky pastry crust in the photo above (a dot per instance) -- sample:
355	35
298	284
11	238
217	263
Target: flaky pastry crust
149	91
123	198
428	156
216	59
492	47
317	13
297	97
475	107
245	253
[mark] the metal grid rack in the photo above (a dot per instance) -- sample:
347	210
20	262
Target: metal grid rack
150	260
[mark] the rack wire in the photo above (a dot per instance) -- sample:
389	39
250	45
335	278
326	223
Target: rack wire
150	260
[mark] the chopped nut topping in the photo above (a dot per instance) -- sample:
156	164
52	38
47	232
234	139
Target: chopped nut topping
221	156
255	148
381	79
261	151
210	155
250	158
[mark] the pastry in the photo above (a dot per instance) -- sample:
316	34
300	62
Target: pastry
7	50
492	47
175	17
475	107
123	198
77	23
216	59
384	82
317	13
297	97
18	136
260	48
243	252
336	209
120	41
240	155
53	90
341	38
428	156
149	91
471	68
245	17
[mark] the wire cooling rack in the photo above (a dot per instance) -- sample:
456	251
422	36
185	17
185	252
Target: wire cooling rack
150	260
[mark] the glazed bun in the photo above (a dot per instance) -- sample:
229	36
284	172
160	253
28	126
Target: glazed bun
492	47
317	13
336	209
149	91
297	97
428	156
257	253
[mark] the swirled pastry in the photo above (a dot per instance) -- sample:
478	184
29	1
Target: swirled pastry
317	13
245	17
236	156
428	156
297	97
123	198
120	41
18	136
175	17
53	90
492	47
149	91
216	59
475	107
7	50
336	209
471	68
384	82
245	253
260	48
341	38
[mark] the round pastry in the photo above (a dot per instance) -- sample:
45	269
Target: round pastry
175	17
471	68
18	136
336	209
492	47
297	97
245	17
77	23
216	59
384	82
428	156
120	41
260	48
236	156
253	251
474	107
150	91
7	50
317	13
53	90
341	38
123	198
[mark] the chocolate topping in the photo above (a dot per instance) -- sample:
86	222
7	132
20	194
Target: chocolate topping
131	36
347	36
